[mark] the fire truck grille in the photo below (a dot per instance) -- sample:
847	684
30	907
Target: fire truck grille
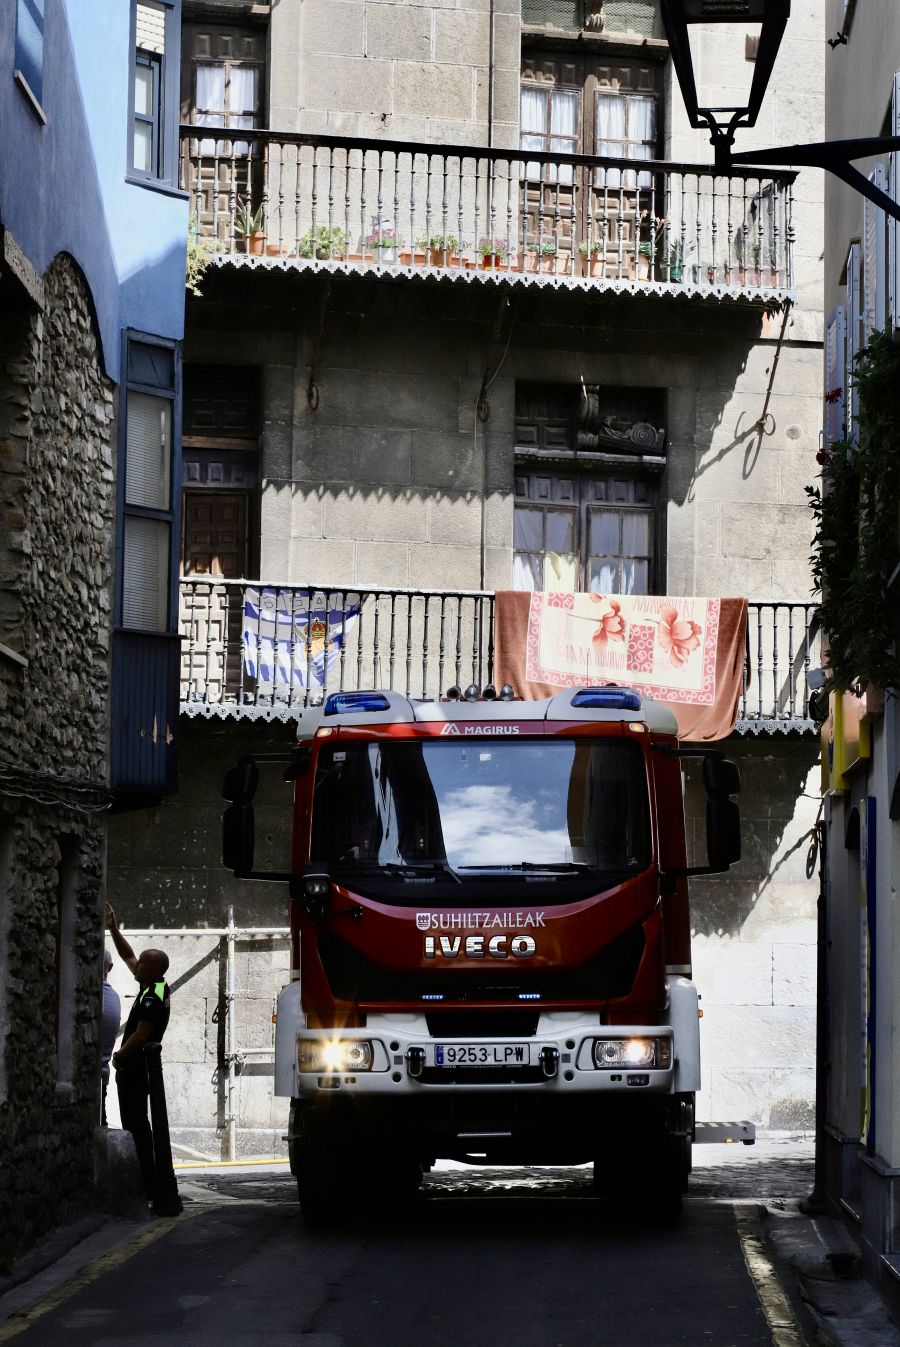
354	977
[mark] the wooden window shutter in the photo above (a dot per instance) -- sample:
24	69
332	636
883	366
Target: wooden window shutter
835	373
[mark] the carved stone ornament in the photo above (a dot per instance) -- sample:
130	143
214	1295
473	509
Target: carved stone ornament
593	16
597	429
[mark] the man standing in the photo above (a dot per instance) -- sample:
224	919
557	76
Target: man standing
109	1030
146	1023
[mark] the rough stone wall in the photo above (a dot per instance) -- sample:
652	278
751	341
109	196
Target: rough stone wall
56	497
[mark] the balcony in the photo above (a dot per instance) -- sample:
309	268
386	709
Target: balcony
443	212
254	650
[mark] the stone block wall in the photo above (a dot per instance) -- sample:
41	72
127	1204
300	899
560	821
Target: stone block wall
403	71
56	504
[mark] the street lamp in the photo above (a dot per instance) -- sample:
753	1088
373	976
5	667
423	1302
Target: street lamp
834	156
770	15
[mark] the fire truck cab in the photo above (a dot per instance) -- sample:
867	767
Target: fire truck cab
490	939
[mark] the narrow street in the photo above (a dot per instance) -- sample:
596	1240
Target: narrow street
484	1257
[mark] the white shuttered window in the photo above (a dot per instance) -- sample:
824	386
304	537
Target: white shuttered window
835	373
873	259
854	339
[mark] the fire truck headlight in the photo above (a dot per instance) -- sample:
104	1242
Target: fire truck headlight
616	1054
322	1055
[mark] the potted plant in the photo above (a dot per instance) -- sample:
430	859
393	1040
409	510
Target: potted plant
593	262
651	243
384	243
248	223
671	265
493	252
541	256
443	250
329	241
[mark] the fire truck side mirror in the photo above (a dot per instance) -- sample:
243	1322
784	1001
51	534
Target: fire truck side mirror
723	819
240	782
723	834
238	839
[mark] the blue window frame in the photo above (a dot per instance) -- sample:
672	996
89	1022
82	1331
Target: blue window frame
30	45
148	486
153	97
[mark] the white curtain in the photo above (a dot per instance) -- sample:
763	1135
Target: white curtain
526	571
242	96
626	128
533	126
210	101
564	129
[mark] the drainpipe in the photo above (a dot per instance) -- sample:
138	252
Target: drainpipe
231	1042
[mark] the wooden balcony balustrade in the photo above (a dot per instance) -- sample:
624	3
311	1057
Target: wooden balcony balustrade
567	220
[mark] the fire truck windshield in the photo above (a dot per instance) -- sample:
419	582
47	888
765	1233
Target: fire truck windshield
457	810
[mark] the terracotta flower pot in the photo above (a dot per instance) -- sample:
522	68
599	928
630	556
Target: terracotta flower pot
255	243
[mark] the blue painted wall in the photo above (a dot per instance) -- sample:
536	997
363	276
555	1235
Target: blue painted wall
63	186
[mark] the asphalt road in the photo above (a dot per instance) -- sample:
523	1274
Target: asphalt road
485	1259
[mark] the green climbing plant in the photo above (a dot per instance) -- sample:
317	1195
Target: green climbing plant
856	550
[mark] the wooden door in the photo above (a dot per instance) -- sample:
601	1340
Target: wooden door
580	105
222	86
214	544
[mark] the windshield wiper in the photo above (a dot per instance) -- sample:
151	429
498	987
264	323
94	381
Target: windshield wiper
400	868
545	867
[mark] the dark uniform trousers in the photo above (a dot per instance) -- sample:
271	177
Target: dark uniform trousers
134	1097
131	1079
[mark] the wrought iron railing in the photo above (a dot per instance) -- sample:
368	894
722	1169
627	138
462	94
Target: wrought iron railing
333	202
252	649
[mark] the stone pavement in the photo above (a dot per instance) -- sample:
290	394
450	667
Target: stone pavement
769	1180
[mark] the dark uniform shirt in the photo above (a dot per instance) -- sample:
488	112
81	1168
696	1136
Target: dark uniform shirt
151	1004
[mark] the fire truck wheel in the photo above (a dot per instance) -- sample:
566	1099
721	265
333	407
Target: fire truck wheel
320	1187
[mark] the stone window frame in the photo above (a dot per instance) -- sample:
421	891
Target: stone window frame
170	516
167	65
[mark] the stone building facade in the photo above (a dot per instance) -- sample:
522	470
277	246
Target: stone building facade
57	487
369	422
89	259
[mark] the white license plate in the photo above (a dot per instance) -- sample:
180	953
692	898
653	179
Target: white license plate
482	1054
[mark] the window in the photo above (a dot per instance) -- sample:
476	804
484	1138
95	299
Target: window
29	66
148	488
579	105
585	531
586	514
154	118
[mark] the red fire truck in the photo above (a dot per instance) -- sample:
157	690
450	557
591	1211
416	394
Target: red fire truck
491	939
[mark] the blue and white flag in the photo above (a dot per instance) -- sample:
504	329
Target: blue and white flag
293	636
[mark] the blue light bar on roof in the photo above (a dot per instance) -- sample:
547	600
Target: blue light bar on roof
608	699
339	702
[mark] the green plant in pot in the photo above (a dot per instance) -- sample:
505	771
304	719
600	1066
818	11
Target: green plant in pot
441	248
493	251
248	223
328	241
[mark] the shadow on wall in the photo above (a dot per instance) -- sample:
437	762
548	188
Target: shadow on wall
392	358
778	811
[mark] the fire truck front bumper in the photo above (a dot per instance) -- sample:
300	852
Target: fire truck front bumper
396	1061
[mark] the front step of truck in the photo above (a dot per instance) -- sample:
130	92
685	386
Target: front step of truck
708	1133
